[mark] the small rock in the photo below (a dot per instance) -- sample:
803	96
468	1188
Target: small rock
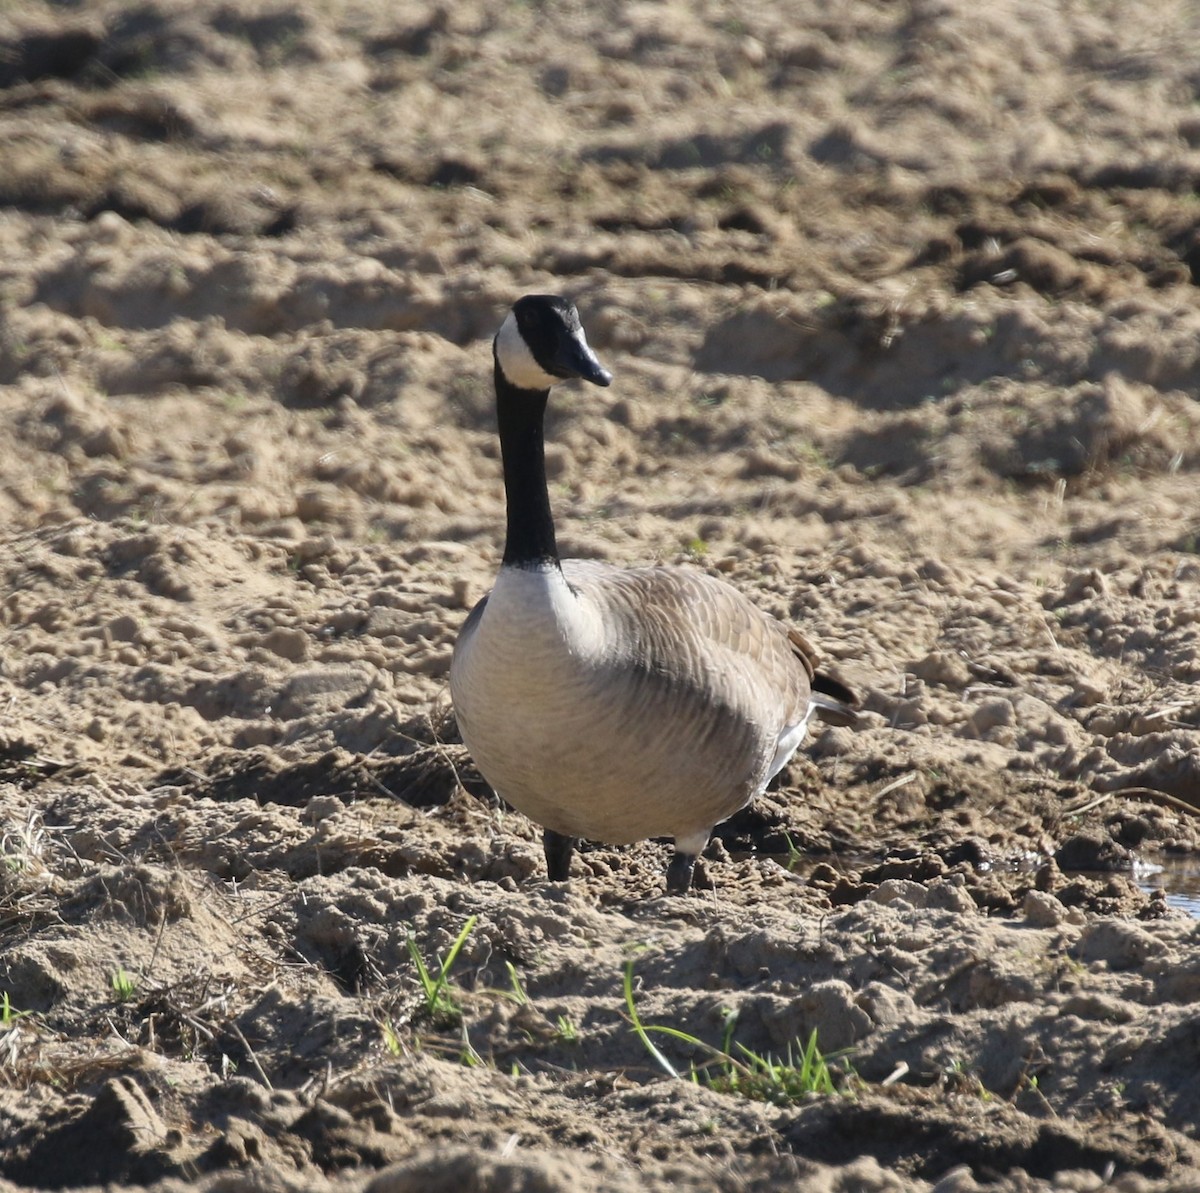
383	622
321	807
287	643
1047	876
833	742
1043	910
1096	1006
256	733
939	667
1131	830
902	890
1089	691
938	571
316	547
1081	585
319	505
992	714
1090	851
887	1008
1123	945
320	690
949	894
829	1007
123	628
970	850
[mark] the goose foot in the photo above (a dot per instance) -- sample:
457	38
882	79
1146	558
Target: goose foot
679	873
558	850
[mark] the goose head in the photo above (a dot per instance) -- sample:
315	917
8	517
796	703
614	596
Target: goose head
541	341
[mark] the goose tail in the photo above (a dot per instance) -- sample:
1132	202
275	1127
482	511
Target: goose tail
834	703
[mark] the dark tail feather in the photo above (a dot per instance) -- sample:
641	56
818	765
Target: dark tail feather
835	703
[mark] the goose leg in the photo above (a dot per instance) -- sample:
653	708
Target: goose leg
679	872
558	855
687	849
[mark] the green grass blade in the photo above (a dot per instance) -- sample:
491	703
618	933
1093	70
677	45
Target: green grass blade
422	972
452	956
675	1033
642	1035
518	994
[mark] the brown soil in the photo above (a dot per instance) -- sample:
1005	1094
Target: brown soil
901	300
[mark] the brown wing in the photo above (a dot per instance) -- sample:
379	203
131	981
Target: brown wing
805	651
676	619
694	628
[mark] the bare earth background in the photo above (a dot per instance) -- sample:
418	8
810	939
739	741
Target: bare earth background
902	304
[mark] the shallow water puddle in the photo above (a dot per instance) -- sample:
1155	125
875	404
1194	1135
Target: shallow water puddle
1178	877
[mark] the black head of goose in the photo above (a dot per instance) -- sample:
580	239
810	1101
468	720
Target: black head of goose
611	703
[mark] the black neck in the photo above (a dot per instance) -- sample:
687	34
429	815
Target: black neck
519	413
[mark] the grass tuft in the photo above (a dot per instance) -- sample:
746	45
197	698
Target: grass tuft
764	1079
565	1030
440	1004
391	1039
124	984
23	846
8	1013
735	1069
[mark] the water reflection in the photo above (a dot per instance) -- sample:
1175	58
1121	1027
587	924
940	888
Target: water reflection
1177	877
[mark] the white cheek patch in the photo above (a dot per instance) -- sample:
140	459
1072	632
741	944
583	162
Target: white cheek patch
516	361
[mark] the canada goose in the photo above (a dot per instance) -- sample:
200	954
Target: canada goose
606	702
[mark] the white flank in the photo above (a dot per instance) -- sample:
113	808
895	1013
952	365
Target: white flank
789	742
